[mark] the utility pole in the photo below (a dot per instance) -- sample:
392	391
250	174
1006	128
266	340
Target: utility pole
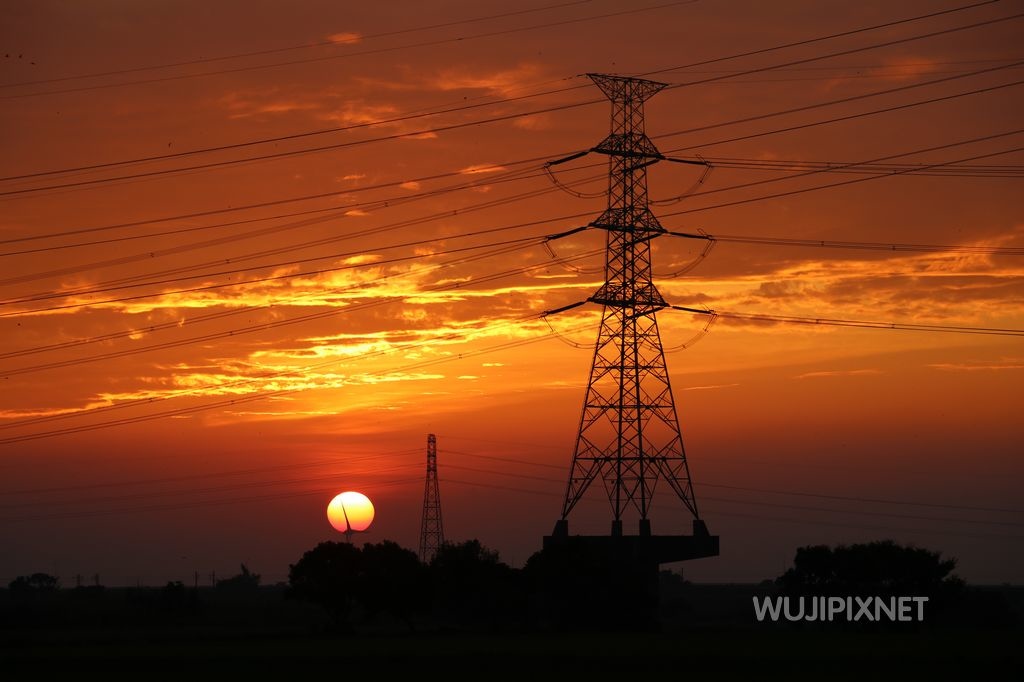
431	529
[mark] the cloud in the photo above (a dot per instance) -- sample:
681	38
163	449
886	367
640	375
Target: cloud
271	101
952	288
1006	364
356	112
839	373
534	122
345	38
422	136
51	411
361	259
482	168
503	83
708	388
779	288
906	68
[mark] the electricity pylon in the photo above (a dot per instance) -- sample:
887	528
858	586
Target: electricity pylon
431	529
629	431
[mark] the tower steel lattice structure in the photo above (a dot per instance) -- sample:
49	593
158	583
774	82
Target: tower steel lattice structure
432	528
629	431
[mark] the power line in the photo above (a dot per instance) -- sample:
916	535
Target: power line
595	101
856	512
809	41
918	169
867	499
861	245
953	170
847	498
250	328
802	126
883	70
832	167
238	331
349	460
837	119
291	48
244	310
761	517
205	476
179	274
846	76
847	100
361	38
865	324
284	138
325	214
309	60
868	246
80	503
277	482
853	181
151	277
845	323
896	171
310	150
882	65
245	399
278	155
500	178
887	529
233	209
842	53
367	485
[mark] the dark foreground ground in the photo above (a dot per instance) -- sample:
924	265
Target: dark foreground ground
705	629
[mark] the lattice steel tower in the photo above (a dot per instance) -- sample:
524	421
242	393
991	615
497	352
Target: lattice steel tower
431	530
629	432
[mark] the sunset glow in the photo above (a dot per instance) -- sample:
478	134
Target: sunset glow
251	253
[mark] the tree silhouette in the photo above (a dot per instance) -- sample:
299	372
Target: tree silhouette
468	583
877	568
34	584
392	580
471	584
176	599
327	575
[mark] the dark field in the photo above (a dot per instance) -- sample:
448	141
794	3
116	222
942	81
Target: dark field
204	634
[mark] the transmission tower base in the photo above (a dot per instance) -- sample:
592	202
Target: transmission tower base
609	582
644	548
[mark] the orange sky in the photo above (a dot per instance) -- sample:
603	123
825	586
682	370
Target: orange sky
348	326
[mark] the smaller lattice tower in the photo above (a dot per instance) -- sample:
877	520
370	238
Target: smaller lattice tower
431	530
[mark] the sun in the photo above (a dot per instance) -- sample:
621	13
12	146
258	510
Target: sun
350	511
